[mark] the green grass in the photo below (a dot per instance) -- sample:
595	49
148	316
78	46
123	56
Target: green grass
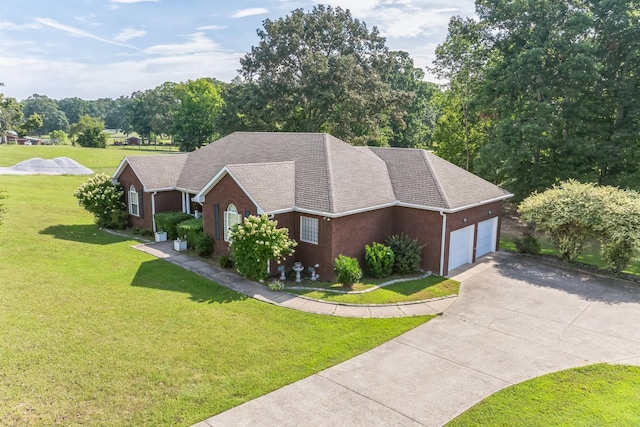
97	333
413	290
96	159
596	395
590	254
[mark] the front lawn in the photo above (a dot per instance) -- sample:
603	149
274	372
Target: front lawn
413	290
595	395
97	333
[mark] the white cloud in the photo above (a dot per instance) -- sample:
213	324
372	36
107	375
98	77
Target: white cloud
131	1
129	34
249	12
10	26
196	43
62	79
76	32
211	28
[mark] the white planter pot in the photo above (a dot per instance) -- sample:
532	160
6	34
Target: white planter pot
180	245
161	236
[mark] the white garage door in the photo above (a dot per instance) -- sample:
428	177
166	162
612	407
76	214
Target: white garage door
487	231
460	247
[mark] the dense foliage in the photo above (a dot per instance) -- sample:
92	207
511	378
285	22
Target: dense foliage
256	241
169	221
347	270
324	71
544	91
572	214
191	229
195	113
104	199
406	251
89	132
379	259
203	244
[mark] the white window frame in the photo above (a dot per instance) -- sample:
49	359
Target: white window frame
134	203
309	229
231	218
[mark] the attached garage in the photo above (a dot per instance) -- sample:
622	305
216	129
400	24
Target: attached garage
487	232
461	247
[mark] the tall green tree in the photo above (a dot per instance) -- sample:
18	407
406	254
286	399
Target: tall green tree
195	113
13	119
150	112
323	71
460	60
89	132
52	117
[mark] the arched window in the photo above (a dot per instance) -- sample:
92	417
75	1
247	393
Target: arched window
231	218
134	206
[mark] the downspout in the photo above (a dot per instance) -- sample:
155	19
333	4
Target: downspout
153	210
443	240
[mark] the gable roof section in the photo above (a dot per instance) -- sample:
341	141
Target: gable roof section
423	179
156	173
270	185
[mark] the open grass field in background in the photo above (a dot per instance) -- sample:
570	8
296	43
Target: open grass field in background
97	333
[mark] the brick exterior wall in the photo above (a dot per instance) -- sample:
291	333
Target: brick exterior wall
349	234
225	192
165	201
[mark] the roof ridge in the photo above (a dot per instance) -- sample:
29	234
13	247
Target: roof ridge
327	156
261	163
436	178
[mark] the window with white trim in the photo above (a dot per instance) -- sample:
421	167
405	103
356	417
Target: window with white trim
231	218
309	230
134	207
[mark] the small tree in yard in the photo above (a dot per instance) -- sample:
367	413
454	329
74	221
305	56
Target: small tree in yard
255	241
104	200
573	213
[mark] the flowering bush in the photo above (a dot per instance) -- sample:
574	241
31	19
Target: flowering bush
104	200
256	241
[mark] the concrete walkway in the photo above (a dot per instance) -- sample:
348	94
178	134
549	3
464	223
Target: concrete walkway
515	319
164	250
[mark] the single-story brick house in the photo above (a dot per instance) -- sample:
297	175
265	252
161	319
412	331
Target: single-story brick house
333	197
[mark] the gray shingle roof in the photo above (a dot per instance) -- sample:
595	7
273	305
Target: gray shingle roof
319	173
424	179
158	172
271	185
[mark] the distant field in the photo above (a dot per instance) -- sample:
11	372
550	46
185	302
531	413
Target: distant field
97	159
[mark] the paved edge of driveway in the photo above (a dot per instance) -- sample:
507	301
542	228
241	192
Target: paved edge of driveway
165	251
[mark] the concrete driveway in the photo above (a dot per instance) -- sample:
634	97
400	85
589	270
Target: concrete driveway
515	319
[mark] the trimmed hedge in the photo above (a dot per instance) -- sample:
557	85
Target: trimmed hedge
190	228
168	221
347	270
380	260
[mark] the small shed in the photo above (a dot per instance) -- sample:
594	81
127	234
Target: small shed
133	140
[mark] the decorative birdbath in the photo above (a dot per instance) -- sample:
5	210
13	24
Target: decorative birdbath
297	267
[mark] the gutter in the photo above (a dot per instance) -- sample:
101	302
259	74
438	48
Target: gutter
442	241
153	209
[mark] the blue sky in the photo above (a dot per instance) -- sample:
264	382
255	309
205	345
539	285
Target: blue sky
108	48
